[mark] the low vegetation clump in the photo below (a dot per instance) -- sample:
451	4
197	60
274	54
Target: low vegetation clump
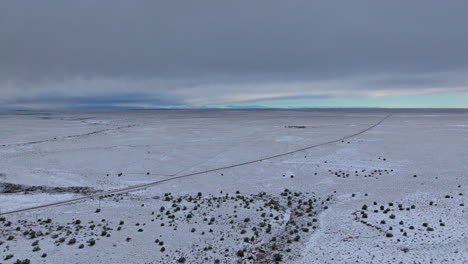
277	257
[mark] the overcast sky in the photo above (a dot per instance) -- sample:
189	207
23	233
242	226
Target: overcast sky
215	53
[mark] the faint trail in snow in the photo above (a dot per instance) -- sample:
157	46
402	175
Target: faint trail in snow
66	137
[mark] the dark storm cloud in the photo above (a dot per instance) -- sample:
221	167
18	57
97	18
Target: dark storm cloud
132	100
190	42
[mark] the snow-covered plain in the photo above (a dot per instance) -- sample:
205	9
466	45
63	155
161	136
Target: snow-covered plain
394	194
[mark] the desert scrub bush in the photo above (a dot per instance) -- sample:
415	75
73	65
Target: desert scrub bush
277	257
7	257
44	255
36	248
163	249
91	242
24	261
240	253
181	260
71	241
10	237
297	238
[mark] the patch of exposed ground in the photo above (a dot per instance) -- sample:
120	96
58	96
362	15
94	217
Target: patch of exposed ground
6	187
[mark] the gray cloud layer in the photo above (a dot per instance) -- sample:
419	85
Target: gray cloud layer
230	48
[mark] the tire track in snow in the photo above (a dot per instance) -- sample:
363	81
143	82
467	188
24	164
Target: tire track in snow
66	137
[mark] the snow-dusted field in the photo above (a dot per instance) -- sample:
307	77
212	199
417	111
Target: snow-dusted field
393	194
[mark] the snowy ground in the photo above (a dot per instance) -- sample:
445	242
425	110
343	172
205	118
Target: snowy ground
396	193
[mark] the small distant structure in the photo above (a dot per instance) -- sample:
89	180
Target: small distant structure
295	126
